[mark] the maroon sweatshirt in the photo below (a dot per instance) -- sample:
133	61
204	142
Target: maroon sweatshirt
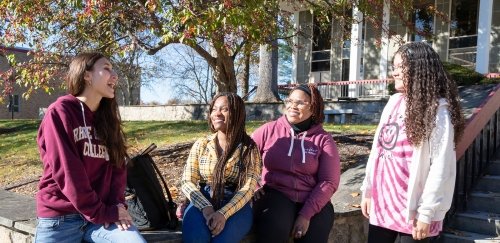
77	174
304	166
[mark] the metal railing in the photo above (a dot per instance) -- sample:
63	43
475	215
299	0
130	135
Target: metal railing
346	90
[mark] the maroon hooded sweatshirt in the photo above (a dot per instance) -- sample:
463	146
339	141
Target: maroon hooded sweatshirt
305	166
77	175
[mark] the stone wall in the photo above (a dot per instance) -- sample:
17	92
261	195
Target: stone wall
349	228
367	111
18	220
10	235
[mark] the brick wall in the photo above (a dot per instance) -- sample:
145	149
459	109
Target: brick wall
28	108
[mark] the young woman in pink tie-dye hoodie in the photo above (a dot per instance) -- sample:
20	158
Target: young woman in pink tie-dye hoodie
410	174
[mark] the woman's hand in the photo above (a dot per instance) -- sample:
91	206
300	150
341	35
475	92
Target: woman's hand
258	194
301	226
365	207
124	220
216	221
420	230
207	211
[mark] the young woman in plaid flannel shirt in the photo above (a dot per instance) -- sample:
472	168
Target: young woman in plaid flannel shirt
220	176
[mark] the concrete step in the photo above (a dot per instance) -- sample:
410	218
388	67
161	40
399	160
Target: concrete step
467	237
478	222
489	183
494	168
484	201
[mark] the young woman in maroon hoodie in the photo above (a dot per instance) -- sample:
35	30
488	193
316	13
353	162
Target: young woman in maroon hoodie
301	171
81	144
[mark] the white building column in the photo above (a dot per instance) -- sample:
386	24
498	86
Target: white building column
384	52
356	50
484	36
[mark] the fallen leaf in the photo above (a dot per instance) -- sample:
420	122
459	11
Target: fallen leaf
355	205
355	194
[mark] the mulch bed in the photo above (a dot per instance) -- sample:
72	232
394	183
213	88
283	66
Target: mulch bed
353	149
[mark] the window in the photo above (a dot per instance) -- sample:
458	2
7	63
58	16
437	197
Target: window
14	102
423	21
321	46
463	25
464	17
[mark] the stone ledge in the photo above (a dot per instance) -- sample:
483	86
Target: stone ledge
17	211
18	220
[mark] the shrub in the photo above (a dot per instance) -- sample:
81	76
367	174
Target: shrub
462	75
490	81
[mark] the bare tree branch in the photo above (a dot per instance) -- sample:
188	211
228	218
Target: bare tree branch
204	53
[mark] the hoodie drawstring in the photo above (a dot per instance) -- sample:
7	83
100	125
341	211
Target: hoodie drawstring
291	142
303	150
85	124
301	145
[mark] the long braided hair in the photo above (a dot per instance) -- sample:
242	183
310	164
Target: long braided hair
425	82
236	138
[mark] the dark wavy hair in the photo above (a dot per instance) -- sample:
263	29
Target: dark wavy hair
107	120
425	82
236	136
317	105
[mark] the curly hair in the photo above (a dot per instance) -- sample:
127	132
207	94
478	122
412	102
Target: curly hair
425	82
236	135
317	104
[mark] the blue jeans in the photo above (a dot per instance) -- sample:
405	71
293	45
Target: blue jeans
195	229
74	228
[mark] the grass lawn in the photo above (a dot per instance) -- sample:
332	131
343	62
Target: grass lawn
19	158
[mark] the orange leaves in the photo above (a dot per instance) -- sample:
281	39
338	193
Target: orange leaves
184	19
228	4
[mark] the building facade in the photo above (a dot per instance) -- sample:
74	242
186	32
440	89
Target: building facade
471	38
14	106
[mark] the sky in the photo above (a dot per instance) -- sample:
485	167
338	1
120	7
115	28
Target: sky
159	93
162	90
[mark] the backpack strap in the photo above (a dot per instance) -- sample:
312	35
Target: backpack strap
169	196
149	149
162	180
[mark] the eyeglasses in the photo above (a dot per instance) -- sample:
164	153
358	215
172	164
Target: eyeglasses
395	67
299	103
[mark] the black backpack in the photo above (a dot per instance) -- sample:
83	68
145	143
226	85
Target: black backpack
144	195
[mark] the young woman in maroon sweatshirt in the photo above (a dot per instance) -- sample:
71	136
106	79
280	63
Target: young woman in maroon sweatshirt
81	144
301	171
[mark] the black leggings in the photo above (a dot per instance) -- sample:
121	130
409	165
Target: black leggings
377	234
274	218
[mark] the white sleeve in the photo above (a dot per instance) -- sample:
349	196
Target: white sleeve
439	187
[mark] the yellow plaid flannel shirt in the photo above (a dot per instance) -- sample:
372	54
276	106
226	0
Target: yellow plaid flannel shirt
200	167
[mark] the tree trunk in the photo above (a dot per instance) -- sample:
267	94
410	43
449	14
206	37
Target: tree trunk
267	90
224	73
245	77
